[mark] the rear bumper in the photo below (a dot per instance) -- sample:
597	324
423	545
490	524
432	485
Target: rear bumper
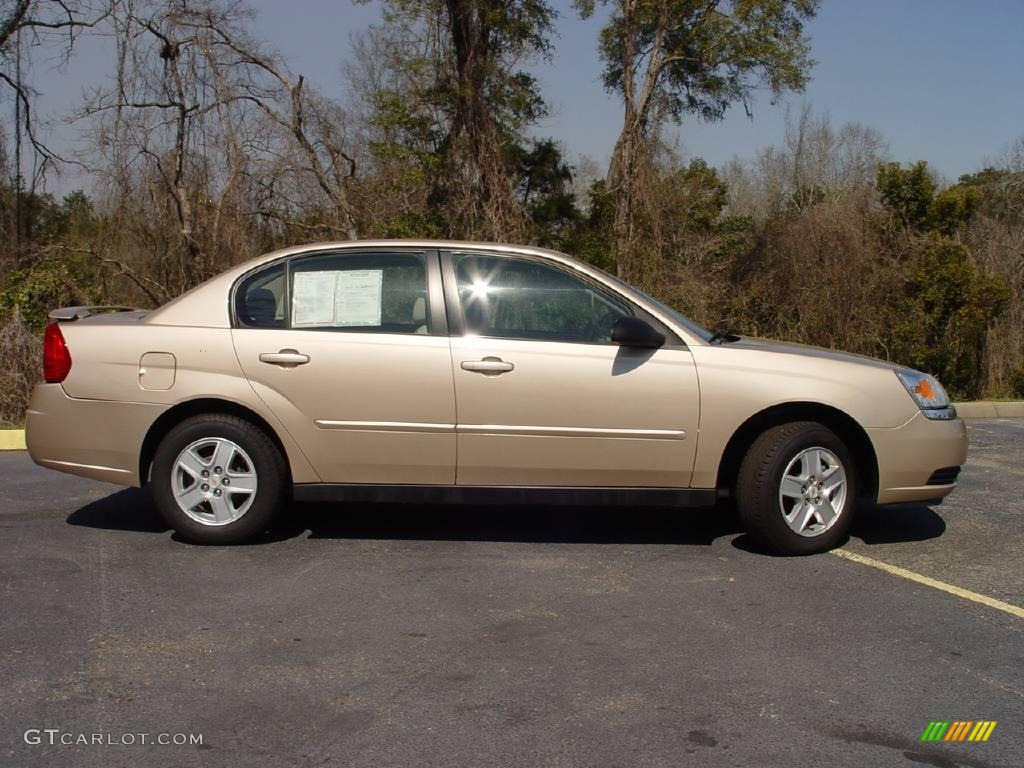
909	455
98	439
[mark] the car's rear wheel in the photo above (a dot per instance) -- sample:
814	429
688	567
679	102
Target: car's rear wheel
218	479
797	489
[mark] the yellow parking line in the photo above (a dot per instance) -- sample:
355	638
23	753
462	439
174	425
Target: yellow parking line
966	594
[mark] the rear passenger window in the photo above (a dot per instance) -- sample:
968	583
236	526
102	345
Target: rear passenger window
375	292
259	300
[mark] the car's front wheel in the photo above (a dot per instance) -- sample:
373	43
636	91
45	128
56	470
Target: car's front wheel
797	488
218	479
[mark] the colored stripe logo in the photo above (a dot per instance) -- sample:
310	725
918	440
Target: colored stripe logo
958	730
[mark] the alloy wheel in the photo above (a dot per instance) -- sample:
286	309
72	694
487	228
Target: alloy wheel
813	491
214	481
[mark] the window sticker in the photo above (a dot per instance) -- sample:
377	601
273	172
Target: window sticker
357	299
337	298
313	299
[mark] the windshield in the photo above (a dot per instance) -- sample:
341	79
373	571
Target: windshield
687	323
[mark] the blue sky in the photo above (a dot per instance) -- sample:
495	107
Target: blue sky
941	79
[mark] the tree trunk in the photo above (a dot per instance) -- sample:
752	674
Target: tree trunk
622	170
622	184
478	181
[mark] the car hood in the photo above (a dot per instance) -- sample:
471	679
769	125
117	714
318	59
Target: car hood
805	350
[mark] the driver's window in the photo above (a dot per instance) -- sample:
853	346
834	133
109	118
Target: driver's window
516	298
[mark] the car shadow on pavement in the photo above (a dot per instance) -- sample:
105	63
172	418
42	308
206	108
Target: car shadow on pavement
897	524
132	510
555	524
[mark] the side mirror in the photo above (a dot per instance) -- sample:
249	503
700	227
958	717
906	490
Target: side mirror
634	332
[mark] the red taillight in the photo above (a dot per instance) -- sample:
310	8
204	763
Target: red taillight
56	358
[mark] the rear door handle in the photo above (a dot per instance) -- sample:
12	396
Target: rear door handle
286	358
489	366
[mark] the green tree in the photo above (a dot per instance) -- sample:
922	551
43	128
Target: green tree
54	280
952	208
911	194
702	194
949	305
672	58
590	237
1001	192
907	191
456	103
542	178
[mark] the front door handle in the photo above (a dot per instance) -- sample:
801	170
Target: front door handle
286	358
489	366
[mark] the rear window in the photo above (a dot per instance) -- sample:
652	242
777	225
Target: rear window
259	300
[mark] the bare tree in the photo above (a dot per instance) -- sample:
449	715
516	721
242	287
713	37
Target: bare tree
42	22
215	130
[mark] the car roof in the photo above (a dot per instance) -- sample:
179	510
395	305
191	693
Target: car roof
446	245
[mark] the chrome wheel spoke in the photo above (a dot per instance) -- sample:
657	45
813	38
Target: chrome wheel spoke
812	462
826	512
222	512
832	484
806	517
224	454
191	497
795	514
792	487
242	484
191	463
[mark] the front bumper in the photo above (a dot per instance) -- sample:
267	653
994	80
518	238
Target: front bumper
98	439
909	455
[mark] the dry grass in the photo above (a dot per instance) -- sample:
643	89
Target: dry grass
21	353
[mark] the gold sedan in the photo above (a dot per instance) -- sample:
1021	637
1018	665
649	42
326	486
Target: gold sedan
470	372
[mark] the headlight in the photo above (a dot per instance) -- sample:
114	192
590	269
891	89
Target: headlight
929	395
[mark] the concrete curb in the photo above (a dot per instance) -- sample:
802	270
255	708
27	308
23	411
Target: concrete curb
989	409
12	439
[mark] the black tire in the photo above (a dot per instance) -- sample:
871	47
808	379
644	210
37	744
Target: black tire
760	478
269	465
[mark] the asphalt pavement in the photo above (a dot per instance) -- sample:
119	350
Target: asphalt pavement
384	635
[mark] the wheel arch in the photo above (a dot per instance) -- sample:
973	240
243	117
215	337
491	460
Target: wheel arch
842	424
178	413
